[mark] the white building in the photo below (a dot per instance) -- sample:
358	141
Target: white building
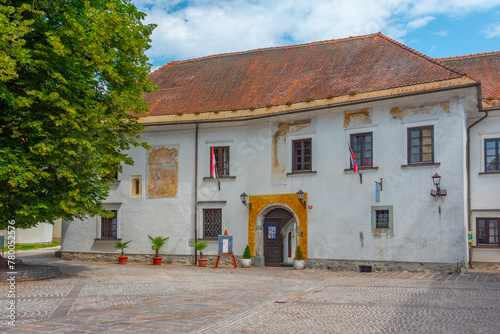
484	178
279	121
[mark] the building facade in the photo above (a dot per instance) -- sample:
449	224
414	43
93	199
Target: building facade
280	123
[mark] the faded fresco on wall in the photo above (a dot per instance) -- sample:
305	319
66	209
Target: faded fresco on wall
279	158
163	171
426	108
357	117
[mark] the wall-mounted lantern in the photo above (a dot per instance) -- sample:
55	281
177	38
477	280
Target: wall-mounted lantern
244	201
436	179
300	196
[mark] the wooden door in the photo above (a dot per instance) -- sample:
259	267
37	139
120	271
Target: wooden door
272	242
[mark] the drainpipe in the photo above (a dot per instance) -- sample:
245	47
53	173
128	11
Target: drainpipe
469	210
196	194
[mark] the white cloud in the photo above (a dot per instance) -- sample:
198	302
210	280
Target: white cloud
442	33
493	31
195	28
420	22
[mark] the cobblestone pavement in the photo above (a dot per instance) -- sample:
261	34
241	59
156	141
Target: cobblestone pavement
137	298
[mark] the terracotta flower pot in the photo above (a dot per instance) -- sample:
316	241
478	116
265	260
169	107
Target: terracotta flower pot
157	261
122	259
202	262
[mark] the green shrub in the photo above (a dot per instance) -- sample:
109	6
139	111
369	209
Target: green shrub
298	254
246	253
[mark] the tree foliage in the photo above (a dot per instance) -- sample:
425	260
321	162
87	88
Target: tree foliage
70	73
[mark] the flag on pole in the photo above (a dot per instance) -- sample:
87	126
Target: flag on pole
212	163
353	159
213	167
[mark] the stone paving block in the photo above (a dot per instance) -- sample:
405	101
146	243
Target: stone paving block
140	298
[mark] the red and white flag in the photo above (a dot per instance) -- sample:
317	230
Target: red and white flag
212	163
353	159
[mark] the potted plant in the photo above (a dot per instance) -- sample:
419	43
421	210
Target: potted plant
158	243
246	261
122	259
298	262
199	246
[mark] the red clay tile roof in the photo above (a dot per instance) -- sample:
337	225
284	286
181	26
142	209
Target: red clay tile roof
275	76
484	67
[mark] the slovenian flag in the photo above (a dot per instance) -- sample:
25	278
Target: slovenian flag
212	163
353	159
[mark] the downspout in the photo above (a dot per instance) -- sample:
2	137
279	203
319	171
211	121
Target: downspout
469	210
196	194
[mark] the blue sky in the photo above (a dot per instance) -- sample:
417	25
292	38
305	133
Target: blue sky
438	28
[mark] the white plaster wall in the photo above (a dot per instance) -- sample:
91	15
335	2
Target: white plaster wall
41	233
339	225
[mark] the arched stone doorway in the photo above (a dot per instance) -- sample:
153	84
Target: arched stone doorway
276	235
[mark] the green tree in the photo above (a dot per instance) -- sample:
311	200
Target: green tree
71	72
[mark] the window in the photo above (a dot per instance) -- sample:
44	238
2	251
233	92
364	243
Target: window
382	219
212	223
420	145
302	155
136	187
222	160
362	146
487	231
492	154
109	226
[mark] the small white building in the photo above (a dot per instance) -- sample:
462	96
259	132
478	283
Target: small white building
280	121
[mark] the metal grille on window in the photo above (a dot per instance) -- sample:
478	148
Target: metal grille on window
382	218
212	223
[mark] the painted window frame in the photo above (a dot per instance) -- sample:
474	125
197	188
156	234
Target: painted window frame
360	154
488	229
212	228
303	163
109	222
390	227
420	144
219	154
135	186
496	155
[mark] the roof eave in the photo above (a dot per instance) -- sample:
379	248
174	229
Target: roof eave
246	114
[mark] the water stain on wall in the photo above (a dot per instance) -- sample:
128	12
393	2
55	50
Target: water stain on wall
426	108
163	172
279	158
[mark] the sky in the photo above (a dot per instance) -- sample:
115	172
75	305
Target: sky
437	28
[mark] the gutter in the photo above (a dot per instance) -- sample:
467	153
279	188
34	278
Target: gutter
196	194
469	210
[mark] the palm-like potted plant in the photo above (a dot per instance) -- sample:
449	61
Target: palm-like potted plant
122	259
199	246
158	243
246	261
298	262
